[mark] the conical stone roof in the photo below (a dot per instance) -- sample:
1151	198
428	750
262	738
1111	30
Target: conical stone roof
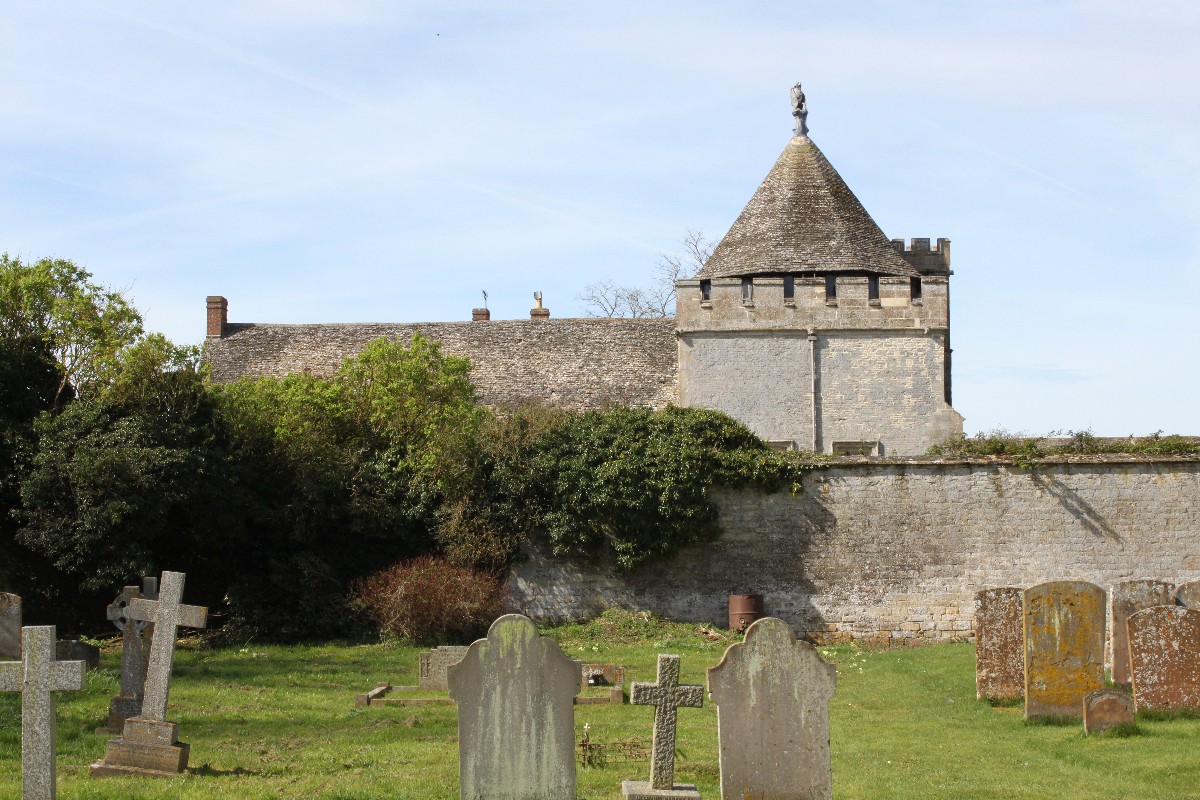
804	218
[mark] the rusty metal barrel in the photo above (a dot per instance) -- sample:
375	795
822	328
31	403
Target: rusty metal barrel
744	609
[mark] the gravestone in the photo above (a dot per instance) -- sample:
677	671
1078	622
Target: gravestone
433	665
1107	708
1129	597
999	644
128	702
772	695
1064	647
667	696
1188	594
10	626
149	745
36	677
516	731
76	650
1164	654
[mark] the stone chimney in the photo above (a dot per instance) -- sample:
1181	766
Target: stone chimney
538	311
480	315
218	315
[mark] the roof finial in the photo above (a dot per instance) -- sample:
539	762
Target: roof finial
799	110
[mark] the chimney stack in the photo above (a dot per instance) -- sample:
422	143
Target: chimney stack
480	315
218	315
538	312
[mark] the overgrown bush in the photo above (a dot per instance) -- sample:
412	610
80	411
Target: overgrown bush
428	600
634	482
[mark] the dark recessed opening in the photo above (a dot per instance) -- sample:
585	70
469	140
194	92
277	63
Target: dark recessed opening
916	288
747	288
789	287
706	290
831	287
872	287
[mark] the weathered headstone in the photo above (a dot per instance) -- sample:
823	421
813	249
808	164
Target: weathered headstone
667	696
149	745
128	702
76	650
516	732
1107	708
772	695
10	626
433	665
1064	647
1188	594
36	677
1164	654
1129	597
999	644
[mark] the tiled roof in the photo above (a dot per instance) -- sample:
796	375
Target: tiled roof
804	218
568	363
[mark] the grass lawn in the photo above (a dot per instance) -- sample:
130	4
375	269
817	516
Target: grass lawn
271	722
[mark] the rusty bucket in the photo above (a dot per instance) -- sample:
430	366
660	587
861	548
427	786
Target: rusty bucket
744	609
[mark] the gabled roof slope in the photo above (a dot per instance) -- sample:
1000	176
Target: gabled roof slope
804	218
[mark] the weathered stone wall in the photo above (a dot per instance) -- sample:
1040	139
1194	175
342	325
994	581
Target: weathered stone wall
569	363
872	386
896	551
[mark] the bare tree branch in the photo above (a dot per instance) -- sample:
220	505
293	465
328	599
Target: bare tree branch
607	299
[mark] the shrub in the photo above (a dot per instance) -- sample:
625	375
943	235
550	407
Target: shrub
429	600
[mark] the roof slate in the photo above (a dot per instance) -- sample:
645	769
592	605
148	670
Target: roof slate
579	364
804	218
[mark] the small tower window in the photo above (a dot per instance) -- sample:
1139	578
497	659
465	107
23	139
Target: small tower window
830	287
872	287
706	290
916	288
747	289
789	287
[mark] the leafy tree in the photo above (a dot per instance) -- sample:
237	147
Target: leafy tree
55	303
132	481
348	473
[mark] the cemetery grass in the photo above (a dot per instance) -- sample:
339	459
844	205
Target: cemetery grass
279	722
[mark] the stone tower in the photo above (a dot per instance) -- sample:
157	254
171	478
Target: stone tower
811	327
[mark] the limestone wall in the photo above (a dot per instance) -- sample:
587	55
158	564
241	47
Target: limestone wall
896	551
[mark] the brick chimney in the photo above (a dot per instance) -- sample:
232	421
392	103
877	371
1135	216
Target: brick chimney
480	315
538	312
218	315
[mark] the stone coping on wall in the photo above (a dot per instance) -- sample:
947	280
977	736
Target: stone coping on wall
949	461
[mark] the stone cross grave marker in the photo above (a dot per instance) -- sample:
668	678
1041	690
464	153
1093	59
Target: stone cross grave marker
999	644
1064	647
1188	594
36	676
10	625
1129	597
772	694
433	665
135	643
1164	654
516	715
667	696
149	745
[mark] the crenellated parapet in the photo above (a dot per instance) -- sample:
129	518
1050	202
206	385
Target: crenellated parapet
923	258
823	302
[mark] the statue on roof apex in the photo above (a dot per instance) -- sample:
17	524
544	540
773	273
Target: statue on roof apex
800	110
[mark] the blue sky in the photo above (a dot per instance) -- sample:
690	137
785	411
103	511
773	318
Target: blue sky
360	161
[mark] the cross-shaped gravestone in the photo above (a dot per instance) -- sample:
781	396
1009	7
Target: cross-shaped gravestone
149	745
134	646
167	613
666	695
35	677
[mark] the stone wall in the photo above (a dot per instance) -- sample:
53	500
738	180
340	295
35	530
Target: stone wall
569	363
896	551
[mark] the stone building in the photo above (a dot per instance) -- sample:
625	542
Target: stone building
807	324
